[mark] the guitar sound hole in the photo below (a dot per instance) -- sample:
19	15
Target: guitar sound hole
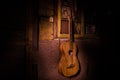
70	52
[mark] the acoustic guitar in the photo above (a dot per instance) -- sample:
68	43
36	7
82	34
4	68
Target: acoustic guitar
69	64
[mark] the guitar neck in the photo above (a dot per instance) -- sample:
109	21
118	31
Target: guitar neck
71	35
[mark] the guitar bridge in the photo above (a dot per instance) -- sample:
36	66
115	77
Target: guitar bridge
71	66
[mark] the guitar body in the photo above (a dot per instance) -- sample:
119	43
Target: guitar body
68	65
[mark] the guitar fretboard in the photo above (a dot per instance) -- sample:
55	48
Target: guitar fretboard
71	35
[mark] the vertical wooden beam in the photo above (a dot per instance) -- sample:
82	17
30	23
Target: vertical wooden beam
82	23
55	18
31	40
59	17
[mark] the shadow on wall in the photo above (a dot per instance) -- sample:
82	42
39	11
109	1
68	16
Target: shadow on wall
89	57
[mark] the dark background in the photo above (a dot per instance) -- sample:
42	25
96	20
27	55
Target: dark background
13	20
106	23
12	31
